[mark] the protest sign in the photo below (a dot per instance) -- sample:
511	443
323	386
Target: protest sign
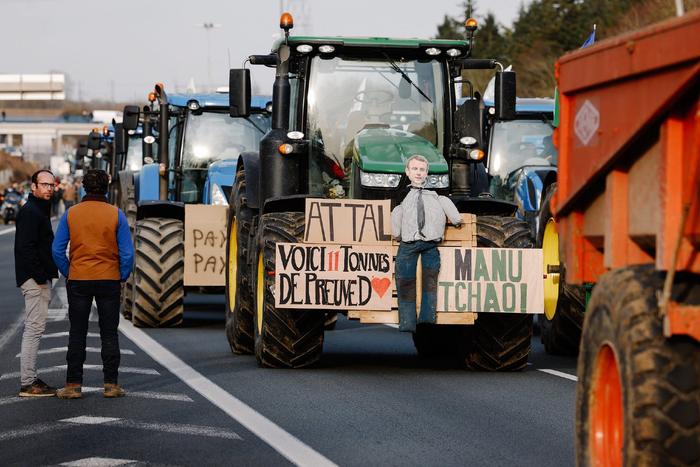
342	277
490	280
347	221
205	245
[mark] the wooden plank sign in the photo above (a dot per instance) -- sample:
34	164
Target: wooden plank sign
341	277
490	280
347	221
205	245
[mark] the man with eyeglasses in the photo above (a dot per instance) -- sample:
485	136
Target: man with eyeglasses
34	269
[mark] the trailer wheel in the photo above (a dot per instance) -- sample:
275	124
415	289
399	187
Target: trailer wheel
239	291
284	338
499	341
158	273
564	304
638	393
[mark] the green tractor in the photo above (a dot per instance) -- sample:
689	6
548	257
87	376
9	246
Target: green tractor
347	113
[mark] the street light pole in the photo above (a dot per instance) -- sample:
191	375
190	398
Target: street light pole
208	26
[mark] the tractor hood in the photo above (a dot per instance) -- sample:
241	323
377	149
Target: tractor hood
386	150
222	172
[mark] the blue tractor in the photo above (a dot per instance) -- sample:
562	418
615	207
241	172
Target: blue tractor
190	148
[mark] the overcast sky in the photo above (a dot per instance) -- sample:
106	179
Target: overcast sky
118	49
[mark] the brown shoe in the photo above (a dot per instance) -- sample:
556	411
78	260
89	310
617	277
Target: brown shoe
113	390
37	389
71	391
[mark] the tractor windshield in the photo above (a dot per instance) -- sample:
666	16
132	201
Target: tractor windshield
346	95
214	136
516	144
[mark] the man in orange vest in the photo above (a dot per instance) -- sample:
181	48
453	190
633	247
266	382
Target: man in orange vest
101	258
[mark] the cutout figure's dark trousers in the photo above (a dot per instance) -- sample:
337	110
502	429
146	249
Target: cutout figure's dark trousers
80	294
406	263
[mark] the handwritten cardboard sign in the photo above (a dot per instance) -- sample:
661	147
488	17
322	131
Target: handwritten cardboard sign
347	221
343	277
205	245
490	280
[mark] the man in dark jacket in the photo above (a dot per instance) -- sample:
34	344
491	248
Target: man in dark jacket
34	269
101	257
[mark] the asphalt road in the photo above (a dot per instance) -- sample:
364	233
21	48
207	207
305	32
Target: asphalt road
370	401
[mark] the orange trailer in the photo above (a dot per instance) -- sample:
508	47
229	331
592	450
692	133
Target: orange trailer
628	218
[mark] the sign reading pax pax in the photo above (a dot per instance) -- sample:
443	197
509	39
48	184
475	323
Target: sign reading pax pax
205	244
348	221
345	277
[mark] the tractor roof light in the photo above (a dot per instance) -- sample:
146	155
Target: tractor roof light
304	48
453	52
476	154
433	51
105	130
193	105
151	97
286	21
326	49
471	24
161	169
285	149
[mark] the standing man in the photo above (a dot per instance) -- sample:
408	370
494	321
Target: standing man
34	269
419	222
101	258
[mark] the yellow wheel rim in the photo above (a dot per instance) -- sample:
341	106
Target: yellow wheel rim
260	292
232	264
550	257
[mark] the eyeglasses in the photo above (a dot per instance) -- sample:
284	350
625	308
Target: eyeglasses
48	186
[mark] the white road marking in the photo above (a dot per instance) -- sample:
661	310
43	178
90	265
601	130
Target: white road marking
87	349
560	374
8	333
57	368
65	334
98	462
57	314
281	441
68	423
89	420
164	396
7	231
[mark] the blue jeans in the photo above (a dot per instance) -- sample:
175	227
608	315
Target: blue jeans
406	262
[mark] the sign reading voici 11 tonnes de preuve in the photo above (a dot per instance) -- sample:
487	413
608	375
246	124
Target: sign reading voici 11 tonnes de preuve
347	263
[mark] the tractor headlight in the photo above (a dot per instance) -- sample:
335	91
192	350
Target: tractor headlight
217	196
379	180
437	181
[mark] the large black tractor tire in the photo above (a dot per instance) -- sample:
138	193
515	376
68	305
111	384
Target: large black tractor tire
499	341
561	332
128	297
284	338
158	273
638	393
239	283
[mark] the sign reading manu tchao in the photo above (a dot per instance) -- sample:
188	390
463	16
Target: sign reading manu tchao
490	280
343	277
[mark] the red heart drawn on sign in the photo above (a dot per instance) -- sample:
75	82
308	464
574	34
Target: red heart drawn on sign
380	285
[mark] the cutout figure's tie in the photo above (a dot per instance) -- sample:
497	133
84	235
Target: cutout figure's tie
421	212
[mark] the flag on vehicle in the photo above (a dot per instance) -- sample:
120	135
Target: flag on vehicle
591	39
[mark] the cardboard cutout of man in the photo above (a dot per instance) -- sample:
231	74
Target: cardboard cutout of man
419	222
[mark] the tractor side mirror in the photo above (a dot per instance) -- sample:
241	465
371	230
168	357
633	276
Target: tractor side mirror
468	120
81	152
505	95
120	140
131	117
239	92
94	141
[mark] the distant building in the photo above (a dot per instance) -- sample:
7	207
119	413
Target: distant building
33	87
